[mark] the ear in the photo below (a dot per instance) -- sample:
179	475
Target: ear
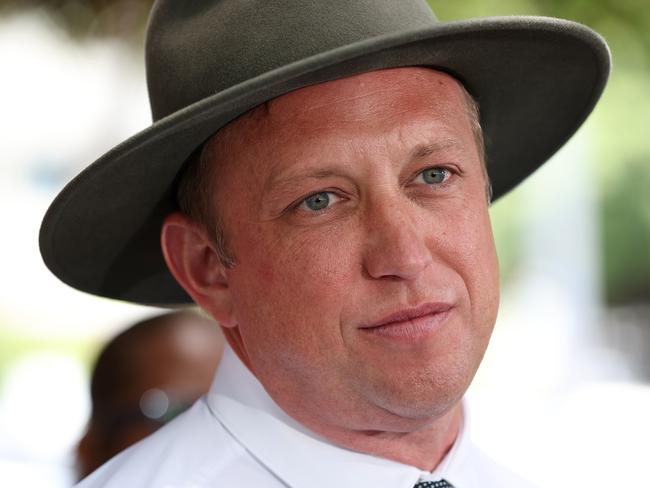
193	261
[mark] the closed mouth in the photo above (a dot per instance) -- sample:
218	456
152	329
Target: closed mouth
409	323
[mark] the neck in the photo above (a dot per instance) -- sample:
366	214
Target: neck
424	448
423	445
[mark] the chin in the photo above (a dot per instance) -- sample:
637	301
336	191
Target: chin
419	400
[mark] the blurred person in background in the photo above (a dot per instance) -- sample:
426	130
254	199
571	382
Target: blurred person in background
143	378
317	178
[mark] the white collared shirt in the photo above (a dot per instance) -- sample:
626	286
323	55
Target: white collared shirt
238	436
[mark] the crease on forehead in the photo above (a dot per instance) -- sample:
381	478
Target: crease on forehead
321	97
356	90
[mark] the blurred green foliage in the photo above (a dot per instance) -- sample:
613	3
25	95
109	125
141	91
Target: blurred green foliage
621	146
626	232
625	23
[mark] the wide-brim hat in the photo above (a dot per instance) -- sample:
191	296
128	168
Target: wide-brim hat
535	79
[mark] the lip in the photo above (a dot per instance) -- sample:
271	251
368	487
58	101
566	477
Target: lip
410	323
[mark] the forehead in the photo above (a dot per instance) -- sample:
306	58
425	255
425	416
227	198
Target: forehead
370	100
367	95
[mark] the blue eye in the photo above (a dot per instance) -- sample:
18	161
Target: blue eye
433	176
317	201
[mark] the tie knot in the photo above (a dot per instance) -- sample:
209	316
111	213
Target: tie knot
434	484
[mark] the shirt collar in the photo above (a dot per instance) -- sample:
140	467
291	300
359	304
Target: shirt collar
288	449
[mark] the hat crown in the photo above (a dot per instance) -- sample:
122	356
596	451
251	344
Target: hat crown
195	49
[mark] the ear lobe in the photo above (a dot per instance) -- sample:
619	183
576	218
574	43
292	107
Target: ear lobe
194	263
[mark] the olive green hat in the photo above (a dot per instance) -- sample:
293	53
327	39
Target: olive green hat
208	61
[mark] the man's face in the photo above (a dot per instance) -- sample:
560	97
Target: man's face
366	283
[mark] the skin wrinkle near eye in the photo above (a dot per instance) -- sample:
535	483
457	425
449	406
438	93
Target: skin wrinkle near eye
195	190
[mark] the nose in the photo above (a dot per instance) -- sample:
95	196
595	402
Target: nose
395	247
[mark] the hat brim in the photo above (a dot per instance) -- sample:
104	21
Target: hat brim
536	80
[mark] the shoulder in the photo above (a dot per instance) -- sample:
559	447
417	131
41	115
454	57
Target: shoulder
194	450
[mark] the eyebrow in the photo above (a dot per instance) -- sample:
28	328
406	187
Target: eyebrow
423	150
280	183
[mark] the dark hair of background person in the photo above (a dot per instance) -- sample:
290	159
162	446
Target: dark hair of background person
143	378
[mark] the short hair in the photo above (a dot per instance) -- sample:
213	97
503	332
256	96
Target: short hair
194	199
195	189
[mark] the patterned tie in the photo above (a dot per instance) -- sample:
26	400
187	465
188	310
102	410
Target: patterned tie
434	484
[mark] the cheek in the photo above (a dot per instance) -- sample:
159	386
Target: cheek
483	285
470	246
290	292
288	278
320	259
